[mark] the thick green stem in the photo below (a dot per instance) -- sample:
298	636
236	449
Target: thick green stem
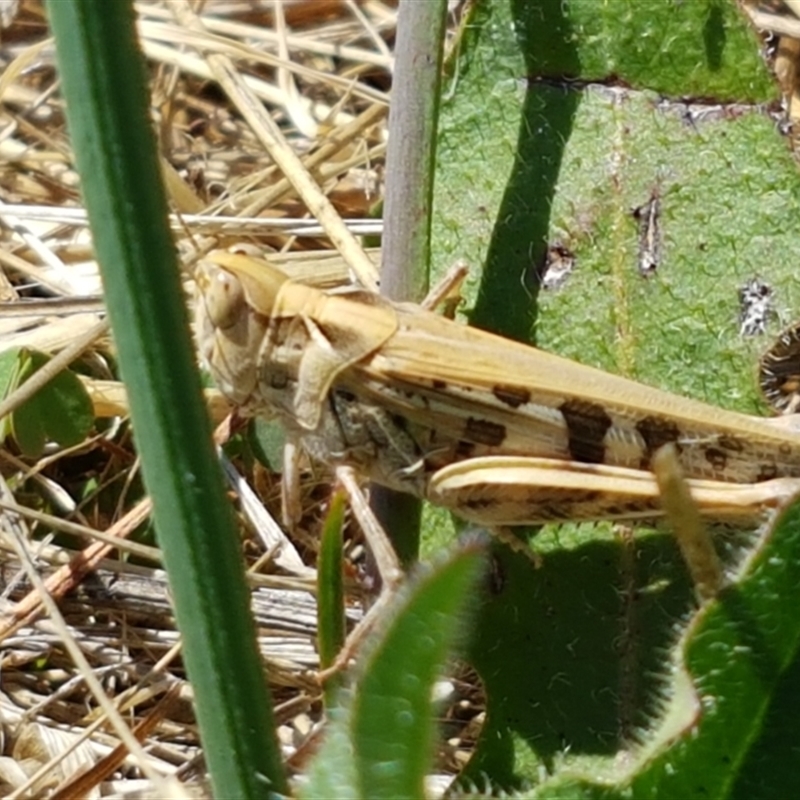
104	85
409	197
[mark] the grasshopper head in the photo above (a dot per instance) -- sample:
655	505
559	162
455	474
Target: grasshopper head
229	332
258	281
221	295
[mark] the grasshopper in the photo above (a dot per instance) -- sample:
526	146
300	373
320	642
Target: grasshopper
499	432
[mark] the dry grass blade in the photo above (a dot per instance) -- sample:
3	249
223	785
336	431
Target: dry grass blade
78	786
12	525
278	546
276	145
69	576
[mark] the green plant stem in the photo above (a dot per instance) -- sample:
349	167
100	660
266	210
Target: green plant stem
405	267
331	624
405	256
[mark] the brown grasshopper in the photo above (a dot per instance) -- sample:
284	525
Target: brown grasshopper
499	432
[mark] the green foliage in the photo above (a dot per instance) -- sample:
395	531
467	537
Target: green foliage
741	655
576	657
700	48
60	412
380	741
726	725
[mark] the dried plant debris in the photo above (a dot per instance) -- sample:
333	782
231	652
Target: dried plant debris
323	73
779	372
558	266
755	307
648	218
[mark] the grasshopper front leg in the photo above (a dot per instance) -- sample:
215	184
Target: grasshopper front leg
513	490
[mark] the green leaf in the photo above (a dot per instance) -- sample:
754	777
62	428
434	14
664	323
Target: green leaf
9	380
330	586
726	725
9	371
575	656
60	412
332	774
739	696
702	48
380	745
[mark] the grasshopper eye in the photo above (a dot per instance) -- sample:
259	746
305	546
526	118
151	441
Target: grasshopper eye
223	297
